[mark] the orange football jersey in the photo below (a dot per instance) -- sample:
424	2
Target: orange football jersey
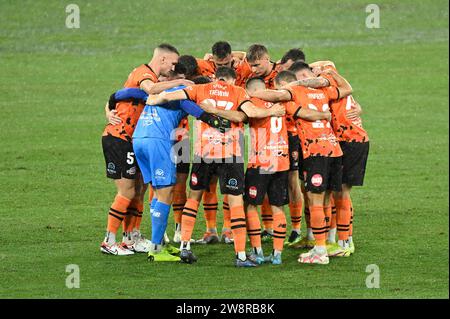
317	137
211	143
208	68
346	130
129	111
182	131
269	141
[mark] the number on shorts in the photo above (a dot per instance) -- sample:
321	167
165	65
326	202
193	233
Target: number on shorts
130	158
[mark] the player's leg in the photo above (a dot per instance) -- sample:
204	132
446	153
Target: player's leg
227	235
316	184
333	226
350	233
199	181
210	204
354	164
183	160
163	178
115	151
307	241
231	180
278	196
295	208
179	200
295	193
255	190
132	237
267	220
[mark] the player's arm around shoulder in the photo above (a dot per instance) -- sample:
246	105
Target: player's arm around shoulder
315	83
231	115
252	111
272	95
345	89
165	97
313	115
151	87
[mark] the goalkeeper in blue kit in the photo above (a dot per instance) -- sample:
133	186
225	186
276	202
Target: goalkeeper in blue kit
153	144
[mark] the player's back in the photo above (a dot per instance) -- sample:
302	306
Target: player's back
210	142
317	137
269	141
160	121
348	130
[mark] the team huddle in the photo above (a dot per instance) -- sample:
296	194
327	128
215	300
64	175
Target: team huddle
306	150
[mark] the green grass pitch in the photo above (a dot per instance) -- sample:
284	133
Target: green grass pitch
54	196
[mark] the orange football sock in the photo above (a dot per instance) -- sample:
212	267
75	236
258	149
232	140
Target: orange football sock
254	228
226	213
295	210
238	228
210	208
129	221
333	228
327	212
179	200
318	224
279	231
350	232
140	211
117	213
188	219
344	215
307	217
266	214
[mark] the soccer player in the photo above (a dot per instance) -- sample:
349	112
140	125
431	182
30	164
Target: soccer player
321	152
259	60
268	171
289	58
354	142
153	142
118	150
222	55
218	153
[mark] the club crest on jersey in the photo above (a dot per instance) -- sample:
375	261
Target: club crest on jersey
194	179
252	192
316	180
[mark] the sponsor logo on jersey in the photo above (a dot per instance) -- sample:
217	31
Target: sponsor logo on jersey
316	180
111	168
132	171
159	173
232	183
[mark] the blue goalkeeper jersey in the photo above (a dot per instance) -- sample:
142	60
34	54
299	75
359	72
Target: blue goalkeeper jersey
159	121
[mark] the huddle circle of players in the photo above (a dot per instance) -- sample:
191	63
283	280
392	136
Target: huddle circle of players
306	149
